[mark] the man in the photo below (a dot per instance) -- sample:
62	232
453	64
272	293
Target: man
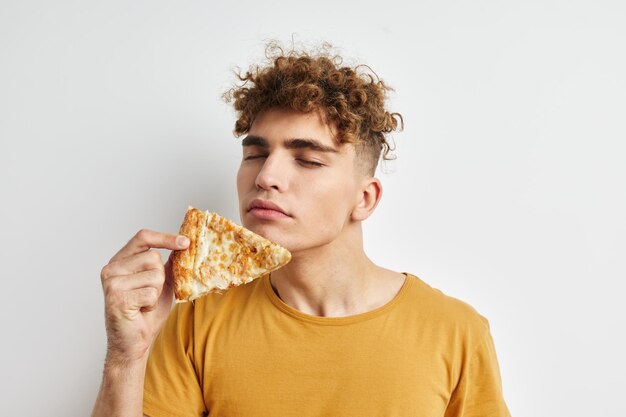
329	334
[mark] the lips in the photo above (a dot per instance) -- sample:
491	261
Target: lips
260	204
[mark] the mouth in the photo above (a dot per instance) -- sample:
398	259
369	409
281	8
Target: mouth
265	209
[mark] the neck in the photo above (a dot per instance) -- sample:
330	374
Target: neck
335	280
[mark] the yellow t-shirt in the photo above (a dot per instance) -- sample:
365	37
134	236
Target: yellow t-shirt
247	353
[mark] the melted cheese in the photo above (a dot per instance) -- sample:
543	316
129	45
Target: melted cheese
228	255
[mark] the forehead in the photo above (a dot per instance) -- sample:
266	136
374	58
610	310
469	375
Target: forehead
277	125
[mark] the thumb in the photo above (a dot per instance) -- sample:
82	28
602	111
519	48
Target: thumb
166	298
168	285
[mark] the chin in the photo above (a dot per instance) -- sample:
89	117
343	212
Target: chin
267	231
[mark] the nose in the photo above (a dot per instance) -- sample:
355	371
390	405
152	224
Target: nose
271	175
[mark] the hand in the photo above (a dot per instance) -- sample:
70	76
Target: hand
138	293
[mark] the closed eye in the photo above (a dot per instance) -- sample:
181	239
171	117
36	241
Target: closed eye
309	163
249	157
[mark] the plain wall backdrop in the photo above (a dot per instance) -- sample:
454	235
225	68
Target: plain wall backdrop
508	191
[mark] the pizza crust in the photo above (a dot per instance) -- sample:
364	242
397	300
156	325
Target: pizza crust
183	260
221	255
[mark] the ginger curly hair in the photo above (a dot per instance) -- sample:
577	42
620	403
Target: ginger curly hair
351	98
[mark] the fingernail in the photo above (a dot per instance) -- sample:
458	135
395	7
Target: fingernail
182	241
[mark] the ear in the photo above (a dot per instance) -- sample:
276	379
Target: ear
370	194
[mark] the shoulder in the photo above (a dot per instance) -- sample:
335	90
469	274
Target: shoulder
445	311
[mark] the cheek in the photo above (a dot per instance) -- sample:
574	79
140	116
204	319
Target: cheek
331	205
243	180
242	187
238	182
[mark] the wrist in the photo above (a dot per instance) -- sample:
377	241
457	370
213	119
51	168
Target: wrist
121	391
116	364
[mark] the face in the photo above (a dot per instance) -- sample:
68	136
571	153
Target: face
296	186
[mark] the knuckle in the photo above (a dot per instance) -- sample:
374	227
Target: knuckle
155	257
152	295
143	235
159	279
153	279
105	272
111	289
155	269
109	270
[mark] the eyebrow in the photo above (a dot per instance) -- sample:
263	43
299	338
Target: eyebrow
295	143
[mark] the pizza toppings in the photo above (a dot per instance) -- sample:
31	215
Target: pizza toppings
221	255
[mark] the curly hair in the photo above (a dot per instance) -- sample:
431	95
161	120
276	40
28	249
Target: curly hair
352	99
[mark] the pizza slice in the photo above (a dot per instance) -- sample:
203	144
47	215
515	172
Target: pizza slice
221	255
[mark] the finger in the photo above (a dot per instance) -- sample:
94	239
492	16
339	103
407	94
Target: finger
141	299
167	291
143	261
168	285
167	267
146	239
116	287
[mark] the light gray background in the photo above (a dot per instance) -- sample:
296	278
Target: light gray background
508	190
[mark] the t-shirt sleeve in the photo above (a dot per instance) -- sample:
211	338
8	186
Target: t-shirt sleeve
479	390
171	386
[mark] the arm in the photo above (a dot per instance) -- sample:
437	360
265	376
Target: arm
121	392
137	297
479	390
